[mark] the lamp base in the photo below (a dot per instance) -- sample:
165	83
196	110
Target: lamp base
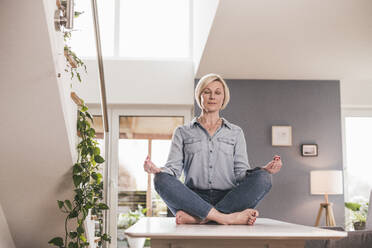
330	218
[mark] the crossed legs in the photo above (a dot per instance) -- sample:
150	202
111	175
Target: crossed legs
236	207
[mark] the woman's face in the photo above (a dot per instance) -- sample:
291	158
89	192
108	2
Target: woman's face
212	96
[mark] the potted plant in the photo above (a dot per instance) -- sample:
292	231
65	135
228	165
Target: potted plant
126	220
358	214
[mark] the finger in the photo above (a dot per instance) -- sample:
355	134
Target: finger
251	222
148	169
272	164
278	166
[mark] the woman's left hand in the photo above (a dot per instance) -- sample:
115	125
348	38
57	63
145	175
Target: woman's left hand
274	165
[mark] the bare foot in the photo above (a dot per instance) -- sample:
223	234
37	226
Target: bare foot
245	217
184	218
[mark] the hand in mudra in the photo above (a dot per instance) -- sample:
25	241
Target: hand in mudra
274	165
150	167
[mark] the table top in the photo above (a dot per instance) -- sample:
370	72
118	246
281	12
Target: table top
166	228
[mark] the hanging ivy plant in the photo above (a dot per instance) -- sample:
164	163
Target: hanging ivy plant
74	62
88	187
88	184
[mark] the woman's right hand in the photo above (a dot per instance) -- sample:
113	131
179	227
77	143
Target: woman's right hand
150	167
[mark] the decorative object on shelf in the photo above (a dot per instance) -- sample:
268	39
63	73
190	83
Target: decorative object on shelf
358	215
281	135
64	15
309	150
326	182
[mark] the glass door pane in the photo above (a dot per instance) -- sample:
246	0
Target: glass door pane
138	137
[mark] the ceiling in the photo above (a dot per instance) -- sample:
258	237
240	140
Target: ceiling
303	39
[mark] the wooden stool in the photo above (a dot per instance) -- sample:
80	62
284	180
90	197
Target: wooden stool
330	218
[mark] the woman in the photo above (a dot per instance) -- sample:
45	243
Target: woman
219	184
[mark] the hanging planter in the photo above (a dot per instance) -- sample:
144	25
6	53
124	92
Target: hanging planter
70	59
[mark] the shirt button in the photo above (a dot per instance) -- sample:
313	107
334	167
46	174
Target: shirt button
210	139
210	151
210	166
210	182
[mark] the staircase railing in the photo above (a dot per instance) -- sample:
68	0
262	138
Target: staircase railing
106	179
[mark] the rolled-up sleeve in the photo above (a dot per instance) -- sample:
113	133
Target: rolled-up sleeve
241	164
174	164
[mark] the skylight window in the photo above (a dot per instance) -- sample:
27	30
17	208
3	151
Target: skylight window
83	41
135	29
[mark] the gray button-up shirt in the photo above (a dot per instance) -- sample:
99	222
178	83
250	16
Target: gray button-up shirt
216	162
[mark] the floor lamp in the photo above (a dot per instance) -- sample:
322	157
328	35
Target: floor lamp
326	182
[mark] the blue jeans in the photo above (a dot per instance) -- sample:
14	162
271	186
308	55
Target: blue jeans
198	203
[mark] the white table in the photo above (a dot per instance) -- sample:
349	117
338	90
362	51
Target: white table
265	233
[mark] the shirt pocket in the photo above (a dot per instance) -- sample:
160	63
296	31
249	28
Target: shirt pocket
192	145
226	145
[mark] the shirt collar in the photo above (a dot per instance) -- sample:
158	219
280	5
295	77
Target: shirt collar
224	122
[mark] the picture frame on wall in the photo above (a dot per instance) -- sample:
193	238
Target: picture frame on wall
309	150
281	136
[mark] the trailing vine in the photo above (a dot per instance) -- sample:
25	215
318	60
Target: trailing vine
88	187
88	184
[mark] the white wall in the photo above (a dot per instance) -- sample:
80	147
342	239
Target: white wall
140	82
356	93
69	108
6	239
203	16
35	153
290	40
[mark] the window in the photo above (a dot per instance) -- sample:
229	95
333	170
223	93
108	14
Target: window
154	28
358	134
83	39
134	29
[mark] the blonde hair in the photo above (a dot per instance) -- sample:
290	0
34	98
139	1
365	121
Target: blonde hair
204	81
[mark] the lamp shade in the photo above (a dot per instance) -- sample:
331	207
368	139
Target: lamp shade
326	182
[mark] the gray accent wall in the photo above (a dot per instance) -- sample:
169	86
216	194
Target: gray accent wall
312	108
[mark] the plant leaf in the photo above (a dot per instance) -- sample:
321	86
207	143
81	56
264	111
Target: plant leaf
71	245
82	238
73	214
353	206
97	151
77	180
80	229
60	204
58	241
68	204
106	237
84	108
89	116
103	206
98	159
77	169
73	235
